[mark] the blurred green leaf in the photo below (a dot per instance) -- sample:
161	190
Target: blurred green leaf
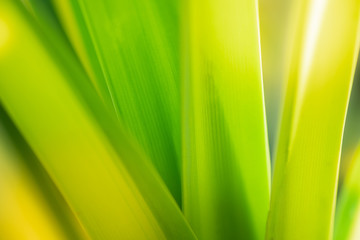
348	207
130	49
226	159
30	204
107	181
324	50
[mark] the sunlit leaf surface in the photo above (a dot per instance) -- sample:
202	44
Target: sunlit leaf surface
105	179
226	162
30	205
130	48
320	77
147	119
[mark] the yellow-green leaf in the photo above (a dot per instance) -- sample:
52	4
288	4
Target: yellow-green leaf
323	52
104	177
225	150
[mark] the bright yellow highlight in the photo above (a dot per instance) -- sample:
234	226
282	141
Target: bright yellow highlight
315	18
24	214
4	33
355	233
323	54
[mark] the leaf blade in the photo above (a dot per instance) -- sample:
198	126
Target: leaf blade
226	159
319	82
102	175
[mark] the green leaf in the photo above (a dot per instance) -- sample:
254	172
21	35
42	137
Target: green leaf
226	159
106	180
323	51
30	203
130	48
348	208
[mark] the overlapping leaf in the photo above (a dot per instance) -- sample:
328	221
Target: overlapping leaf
104	177
348	209
30	205
226	162
130	49
323	58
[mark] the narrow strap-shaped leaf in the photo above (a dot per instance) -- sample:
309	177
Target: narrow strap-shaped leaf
132	48
226	160
105	179
323	58
30	204
347	218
